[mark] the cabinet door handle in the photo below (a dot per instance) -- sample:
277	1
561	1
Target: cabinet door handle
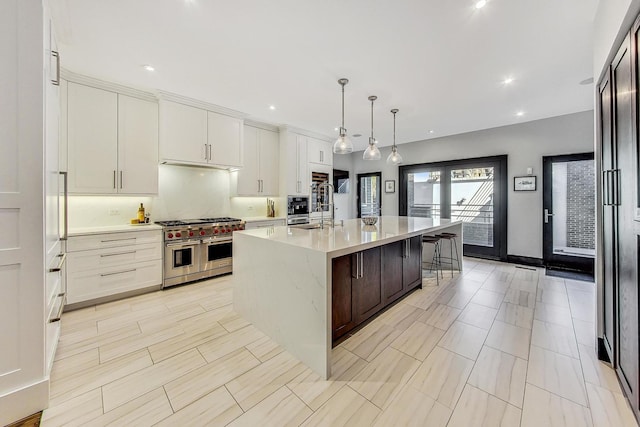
118	272
116	254
63	257
60	309
210	152
361	265
117	240
206	152
65	189
258	185
56	81
121	180
114	179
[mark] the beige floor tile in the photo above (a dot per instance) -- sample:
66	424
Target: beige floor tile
479	274
552	297
136	342
75	364
145	380
609	409
550	283
203	321
498	283
145	410
346	408
439	315
478	315
418	340
542	408
190	387
116	322
233	321
425	297
456	298
371	340
442	376
488	298
315	391
74	412
384	377
526	277
264	348
553	314
500	374
582	305
557	373
585	332
478	408
216	408
219	347
400	316
66	348
413	408
167	320
464	339
183	342
282	408
81	382
251	387
216	301
510	339
555	338
467	284
597	372
520	297
579	285
515	314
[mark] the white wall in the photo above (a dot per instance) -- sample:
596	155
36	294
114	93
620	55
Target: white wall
525	144
612	21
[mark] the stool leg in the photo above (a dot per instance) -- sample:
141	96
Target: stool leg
434	260
440	259
451	255
455	242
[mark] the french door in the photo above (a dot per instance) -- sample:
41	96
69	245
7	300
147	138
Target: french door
369	194
569	216
473	191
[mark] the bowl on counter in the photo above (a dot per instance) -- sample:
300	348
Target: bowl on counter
369	220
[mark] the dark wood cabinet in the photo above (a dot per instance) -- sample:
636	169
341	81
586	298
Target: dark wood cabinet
365	282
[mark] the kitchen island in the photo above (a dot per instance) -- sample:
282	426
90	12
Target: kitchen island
306	287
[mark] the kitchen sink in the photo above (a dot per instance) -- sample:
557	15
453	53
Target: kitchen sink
306	226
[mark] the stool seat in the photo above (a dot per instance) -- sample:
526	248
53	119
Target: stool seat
430	239
452	239
435	259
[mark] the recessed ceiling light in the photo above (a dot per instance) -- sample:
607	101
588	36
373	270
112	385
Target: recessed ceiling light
336	129
520	113
480	4
149	67
431	130
508	80
272	107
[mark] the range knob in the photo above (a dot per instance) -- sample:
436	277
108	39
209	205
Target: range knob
170	235
215	230
235	227
202	232
178	234
228	229
190	233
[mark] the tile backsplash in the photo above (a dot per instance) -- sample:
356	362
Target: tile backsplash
183	192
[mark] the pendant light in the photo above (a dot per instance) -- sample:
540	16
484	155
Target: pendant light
343	145
372	152
394	158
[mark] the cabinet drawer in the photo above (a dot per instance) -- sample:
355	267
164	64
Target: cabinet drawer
112	240
88	285
109	257
264	224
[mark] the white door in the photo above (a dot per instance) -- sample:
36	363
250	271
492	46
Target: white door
92	139
137	146
183	133
269	162
224	135
248	176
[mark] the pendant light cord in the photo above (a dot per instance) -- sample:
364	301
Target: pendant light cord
372	121
342	107
394	130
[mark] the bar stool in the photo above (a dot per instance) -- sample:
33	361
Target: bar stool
435	259
451	237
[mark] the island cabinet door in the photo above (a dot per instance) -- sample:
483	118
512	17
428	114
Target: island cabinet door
392	265
342	317
412	263
367	284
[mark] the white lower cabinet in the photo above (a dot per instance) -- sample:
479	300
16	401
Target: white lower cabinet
104	265
252	225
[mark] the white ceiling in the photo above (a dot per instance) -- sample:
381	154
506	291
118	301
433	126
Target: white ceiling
440	62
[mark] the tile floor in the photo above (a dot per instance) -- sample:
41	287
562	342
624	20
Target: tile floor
497	345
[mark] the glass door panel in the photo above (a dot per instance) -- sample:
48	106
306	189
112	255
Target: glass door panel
472	203
369	194
423	192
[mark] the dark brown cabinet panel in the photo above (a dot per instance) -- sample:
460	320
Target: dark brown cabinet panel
342	318
392	259
367	289
412	263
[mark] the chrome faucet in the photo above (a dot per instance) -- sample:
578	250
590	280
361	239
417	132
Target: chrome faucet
328	188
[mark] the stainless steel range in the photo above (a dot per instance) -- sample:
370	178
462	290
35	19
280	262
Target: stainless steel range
197	248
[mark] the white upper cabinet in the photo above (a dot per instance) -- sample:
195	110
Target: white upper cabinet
194	136
320	152
294	179
92	139
183	134
137	145
112	142
259	176
224	135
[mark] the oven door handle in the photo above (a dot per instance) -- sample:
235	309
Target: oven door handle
217	242
174	245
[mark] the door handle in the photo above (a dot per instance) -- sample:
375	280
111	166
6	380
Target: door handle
546	216
616	186
65	187
56	81
605	188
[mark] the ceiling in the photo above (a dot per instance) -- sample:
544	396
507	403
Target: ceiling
441	63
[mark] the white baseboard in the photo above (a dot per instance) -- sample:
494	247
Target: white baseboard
26	401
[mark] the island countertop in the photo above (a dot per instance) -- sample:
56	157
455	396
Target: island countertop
351	235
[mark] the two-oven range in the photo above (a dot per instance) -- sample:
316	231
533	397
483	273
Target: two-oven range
198	248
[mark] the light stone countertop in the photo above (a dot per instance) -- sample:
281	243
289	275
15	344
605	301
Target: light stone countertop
121	228
353	236
263	218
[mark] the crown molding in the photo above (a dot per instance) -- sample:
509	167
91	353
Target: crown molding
70	76
261	125
289	128
180	99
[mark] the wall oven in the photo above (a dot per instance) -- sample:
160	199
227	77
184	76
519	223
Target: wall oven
215	256
297	210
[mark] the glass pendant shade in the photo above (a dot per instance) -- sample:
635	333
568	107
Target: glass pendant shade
372	152
394	157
